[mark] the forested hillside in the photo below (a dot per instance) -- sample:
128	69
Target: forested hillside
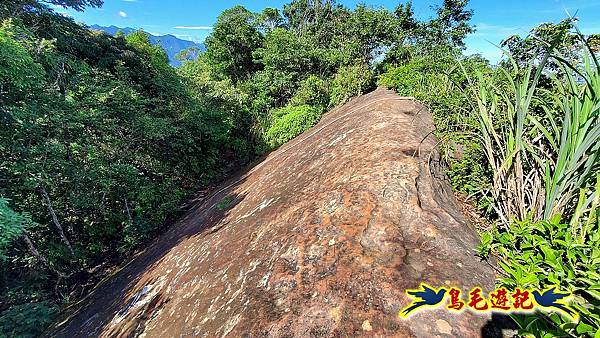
172	45
102	140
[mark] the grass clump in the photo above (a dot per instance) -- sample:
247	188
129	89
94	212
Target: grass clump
540	131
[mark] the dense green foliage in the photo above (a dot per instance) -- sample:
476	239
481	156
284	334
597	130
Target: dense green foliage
312	53
290	122
553	252
101	140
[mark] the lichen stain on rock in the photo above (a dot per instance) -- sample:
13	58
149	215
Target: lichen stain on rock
321	238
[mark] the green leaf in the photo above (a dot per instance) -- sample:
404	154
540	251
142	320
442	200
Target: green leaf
584	328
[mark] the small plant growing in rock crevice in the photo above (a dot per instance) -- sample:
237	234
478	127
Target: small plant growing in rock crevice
225	203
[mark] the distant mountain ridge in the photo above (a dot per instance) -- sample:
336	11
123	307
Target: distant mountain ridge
170	43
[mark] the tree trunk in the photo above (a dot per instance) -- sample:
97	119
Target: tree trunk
56	222
34	251
39	256
128	211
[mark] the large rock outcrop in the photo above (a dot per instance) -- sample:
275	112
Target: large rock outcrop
322	238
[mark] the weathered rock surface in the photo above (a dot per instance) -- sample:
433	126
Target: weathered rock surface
320	239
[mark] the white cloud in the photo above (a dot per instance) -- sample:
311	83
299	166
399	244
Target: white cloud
188	37
201	28
122	14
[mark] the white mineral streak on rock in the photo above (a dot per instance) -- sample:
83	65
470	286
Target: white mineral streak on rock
260	207
264	281
140	299
230	325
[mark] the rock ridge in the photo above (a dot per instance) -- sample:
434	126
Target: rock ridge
320	239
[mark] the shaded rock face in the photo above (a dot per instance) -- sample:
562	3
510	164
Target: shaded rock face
320	239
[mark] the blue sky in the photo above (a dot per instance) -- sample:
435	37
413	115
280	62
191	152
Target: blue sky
192	19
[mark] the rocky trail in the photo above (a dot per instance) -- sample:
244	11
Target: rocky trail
320	239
